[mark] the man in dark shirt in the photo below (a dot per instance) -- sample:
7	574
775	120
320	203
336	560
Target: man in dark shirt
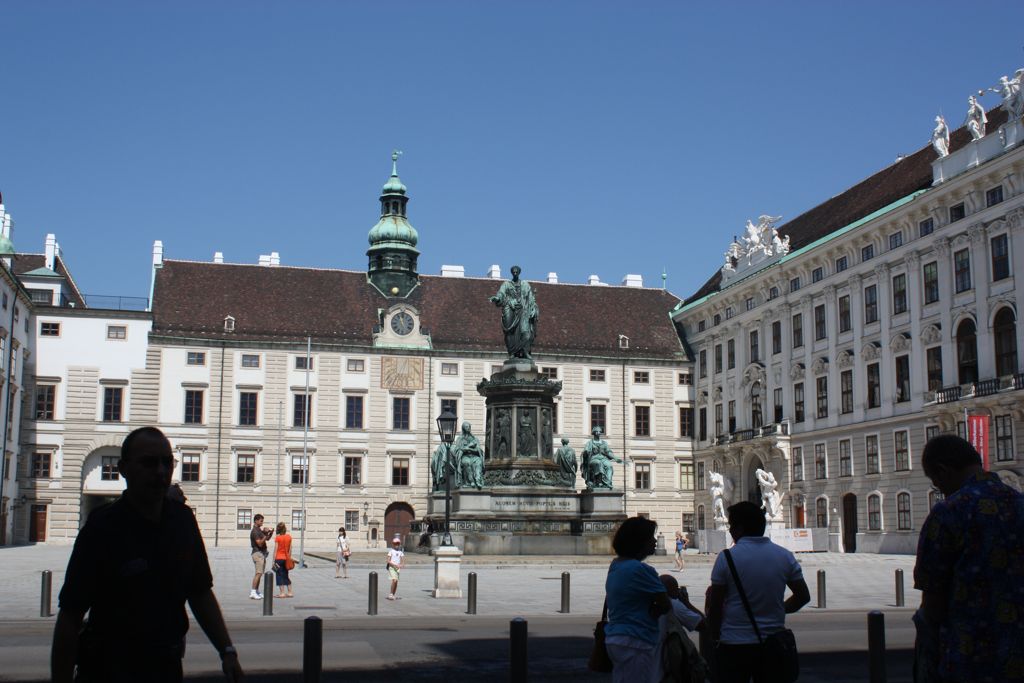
135	564
258	541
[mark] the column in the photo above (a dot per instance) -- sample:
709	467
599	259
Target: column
807	311
949	366
1016	222
860	398
918	368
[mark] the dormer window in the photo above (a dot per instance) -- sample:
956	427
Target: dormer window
229	324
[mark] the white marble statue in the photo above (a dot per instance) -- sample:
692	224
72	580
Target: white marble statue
759	242
940	137
721	491
1010	90
732	256
771	501
976	118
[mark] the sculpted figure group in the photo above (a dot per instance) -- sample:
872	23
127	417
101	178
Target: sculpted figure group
466	466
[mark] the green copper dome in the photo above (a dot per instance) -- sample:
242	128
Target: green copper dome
393	228
6	246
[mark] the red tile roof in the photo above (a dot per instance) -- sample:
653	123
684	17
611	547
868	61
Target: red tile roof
24	263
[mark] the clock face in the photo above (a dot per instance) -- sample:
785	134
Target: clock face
402	323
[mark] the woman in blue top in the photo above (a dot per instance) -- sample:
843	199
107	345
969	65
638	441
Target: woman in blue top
636	598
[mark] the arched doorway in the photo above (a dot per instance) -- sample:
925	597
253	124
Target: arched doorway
101	482
850	523
1004	332
397	521
753	488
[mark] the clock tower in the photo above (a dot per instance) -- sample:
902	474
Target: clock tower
392	253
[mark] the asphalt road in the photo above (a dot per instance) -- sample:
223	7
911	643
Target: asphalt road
833	647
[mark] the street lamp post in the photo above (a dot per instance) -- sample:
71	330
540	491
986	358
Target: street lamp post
446	429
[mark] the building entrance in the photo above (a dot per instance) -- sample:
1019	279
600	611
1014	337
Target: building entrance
850	523
397	521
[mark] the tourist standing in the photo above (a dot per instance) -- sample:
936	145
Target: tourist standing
395	560
344	552
970	571
680	548
283	561
258	542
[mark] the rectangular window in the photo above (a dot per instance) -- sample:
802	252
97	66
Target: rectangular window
108	468
718	419
798	402
597	375
841	264
820	328
926	227
686	422
732	416
902	379
300	469
728	313
399	471
874	513
700	477
450	405
702	325
643	420
685	379
195	358
930	432
112	403
45	401
867	252
246	471
903	520
798	463
845	458
351	520
353	473
355	365
301	408
822	397
190	466
895	240
750	303
598	417
962	270
688	524
1004	438
846	391
901	450
994	196
49	329
549	373
702	423
243	519
702	363
899	294
794	284
400	413
930	272
776	337
874	386
956	212
778	405
642	476
845	321
798	330
1000	258
820	462
250	360
730	347
686	476
353	412
641	377
870	304
41	465
450	369
718	358
301	362
117	332
248	402
298	520
773	293
755	347
817	274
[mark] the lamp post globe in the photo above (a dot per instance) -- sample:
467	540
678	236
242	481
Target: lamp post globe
446	430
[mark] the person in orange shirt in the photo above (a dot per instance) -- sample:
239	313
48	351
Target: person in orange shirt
283	558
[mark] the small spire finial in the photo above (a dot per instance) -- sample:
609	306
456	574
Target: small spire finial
664	277
395	153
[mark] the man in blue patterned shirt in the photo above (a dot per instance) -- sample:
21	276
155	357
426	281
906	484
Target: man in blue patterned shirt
970	569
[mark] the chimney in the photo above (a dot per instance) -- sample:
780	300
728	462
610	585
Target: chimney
264	259
218	257
552	278
51	250
275	258
594	280
494	272
453	271
158	254
633	280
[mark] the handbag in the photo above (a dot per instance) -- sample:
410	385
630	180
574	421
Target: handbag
289	563
599	660
780	653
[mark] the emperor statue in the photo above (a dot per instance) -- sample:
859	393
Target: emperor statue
597	462
519	315
469	458
565	458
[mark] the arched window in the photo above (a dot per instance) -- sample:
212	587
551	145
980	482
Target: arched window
1004	329
967	352
700	517
903	519
874	512
755	406
934	496
821	512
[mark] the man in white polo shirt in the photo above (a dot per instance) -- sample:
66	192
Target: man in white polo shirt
765	571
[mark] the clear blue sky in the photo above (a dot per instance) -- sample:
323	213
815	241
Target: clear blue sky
577	137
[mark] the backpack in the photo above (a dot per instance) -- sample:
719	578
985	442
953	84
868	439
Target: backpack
680	659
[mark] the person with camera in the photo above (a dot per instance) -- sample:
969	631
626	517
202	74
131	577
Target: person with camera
258	538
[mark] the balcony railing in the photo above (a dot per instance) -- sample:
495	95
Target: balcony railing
987	387
116	303
781	428
948	394
1018	381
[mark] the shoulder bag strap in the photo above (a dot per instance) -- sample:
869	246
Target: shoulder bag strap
743	595
604	611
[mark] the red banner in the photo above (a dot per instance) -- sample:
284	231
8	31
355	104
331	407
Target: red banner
977	434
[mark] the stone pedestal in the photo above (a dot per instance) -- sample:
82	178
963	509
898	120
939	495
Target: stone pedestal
447	570
712	541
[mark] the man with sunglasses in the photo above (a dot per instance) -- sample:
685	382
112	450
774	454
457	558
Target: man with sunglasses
135	564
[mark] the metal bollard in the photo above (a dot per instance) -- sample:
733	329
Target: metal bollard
517	650
471	604
821	589
565	593
312	650
373	594
45	592
268	594
900	601
876	647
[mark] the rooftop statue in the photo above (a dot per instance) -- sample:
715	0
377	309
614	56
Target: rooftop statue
597	462
976	118
1010	90
469	458
519	315
940	137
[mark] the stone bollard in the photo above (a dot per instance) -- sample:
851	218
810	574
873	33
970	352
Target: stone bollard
900	600
373	594
268	594
471	603
821	589
876	647
46	590
517	650
565	593
312	650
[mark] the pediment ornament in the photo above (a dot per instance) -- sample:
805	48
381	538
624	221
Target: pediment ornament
871	351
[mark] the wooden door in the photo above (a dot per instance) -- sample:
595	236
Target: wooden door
397	521
798	517
37	524
850	523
